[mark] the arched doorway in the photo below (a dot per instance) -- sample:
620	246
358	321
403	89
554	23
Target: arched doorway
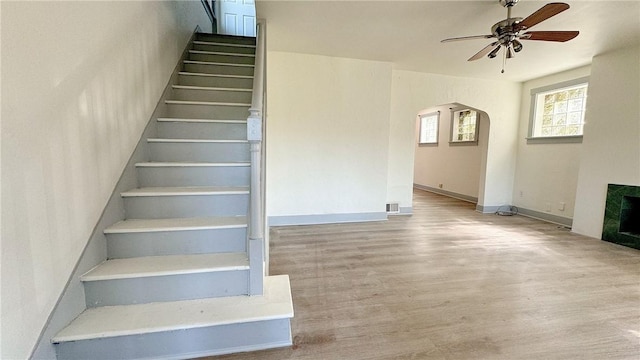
455	163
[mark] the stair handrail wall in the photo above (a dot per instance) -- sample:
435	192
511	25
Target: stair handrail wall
209	8
255	121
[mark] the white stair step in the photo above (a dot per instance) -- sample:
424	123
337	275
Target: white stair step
207	103
198	150
202	78
167	174
208	88
176	224
211	93
199	42
206	109
150	266
205	141
186	191
220	53
191	164
202	121
186	73
112	321
200	62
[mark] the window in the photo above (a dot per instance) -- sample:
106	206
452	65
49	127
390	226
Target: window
464	127
429	128
557	112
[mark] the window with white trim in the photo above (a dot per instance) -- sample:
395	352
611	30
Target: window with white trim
429	128
464	126
557	111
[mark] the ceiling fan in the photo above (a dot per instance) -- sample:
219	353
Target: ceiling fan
511	30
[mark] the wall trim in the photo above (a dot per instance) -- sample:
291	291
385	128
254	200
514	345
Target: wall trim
458	196
556	219
316	219
404	210
488	209
71	301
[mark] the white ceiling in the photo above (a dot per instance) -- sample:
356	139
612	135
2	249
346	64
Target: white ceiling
408	33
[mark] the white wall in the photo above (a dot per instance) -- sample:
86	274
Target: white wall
413	91
327	135
611	145
80	80
546	174
433	165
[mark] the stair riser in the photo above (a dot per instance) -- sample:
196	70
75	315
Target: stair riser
212	81
121	246
223	39
212	95
228	59
157	207
214	112
217	69
183	344
193	130
165	288
194	176
225	49
201	152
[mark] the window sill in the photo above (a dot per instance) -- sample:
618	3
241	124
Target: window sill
428	144
463	143
577	139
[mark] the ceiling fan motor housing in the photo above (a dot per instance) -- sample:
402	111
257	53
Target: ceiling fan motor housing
505	30
508	3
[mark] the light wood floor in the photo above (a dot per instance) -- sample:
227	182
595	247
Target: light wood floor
451	283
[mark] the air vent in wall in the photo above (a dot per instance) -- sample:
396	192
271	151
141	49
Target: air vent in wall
393	208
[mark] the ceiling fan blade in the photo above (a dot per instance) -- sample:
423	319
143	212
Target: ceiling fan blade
468	38
484	51
542	14
559	36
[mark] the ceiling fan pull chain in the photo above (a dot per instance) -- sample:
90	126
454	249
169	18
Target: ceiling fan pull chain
504	61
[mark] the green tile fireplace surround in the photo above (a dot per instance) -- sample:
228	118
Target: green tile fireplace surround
622	215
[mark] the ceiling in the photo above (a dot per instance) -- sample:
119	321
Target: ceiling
408	33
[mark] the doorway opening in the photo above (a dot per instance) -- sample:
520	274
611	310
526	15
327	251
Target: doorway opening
451	151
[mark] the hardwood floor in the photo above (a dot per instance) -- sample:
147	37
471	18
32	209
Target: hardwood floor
451	283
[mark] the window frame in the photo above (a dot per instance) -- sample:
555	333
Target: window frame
437	121
455	142
531	138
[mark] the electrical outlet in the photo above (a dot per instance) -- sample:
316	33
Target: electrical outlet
561	206
440	186
521	193
547	207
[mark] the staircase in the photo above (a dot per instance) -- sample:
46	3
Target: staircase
178	279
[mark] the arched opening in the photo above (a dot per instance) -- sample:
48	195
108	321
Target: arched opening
455	163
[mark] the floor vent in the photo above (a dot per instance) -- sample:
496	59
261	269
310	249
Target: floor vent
393	208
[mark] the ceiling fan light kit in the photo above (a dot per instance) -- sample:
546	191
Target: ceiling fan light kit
511	30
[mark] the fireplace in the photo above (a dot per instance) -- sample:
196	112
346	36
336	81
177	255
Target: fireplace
622	215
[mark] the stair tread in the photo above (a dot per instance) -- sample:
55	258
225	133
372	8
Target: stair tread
220	53
188	73
186	190
199	62
170	140
176	224
193	164
209	88
212	103
200	42
202	120
149	266
110	321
